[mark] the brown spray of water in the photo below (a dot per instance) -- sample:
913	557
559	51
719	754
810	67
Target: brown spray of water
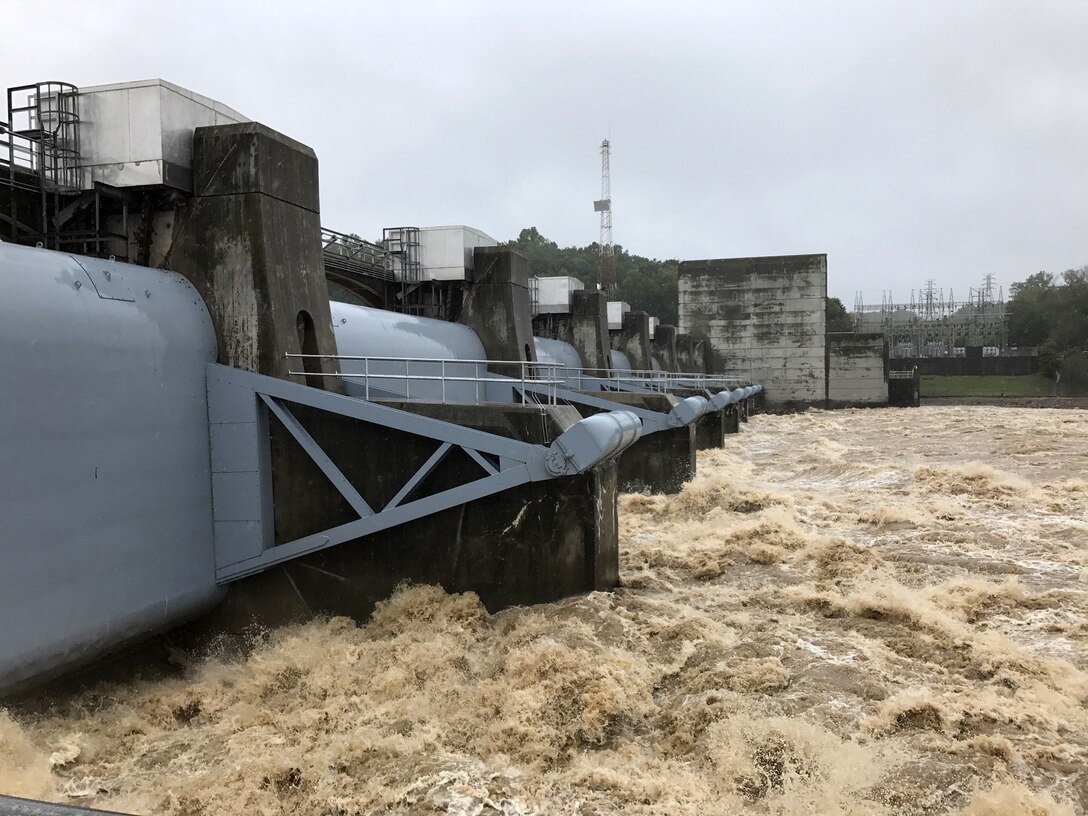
872	612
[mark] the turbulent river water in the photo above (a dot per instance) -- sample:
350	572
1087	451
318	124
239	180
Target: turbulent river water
859	612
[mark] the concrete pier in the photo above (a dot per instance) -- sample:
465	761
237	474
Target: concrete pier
633	339
585	327
664	347
657	463
531	544
731	418
250	243
496	305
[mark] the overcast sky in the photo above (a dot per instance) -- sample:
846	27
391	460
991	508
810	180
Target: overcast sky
907	140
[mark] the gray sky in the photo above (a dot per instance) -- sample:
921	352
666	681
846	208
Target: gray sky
907	140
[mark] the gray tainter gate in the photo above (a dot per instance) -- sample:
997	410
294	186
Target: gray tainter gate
105	481
137	473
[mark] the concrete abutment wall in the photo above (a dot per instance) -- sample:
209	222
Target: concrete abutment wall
763	320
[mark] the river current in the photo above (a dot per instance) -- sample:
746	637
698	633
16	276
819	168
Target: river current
849	612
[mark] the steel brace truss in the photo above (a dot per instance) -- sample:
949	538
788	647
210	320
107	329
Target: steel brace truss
240	404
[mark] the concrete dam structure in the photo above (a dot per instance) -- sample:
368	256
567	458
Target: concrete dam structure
764	318
206	435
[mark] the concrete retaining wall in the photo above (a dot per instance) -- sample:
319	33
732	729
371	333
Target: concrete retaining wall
856	365
763	319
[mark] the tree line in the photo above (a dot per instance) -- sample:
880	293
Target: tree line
1051	312
648	284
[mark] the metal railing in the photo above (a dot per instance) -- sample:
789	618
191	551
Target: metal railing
17	152
447	381
44	133
534	295
659	381
901	375
351	254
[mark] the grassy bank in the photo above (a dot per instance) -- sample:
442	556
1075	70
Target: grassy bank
1027	385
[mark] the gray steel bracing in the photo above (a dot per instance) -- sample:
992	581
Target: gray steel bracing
239	404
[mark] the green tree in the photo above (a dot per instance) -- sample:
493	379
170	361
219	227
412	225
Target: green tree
1029	310
837	318
648	284
1053	316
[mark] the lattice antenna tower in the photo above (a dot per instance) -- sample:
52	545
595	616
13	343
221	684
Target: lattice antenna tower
606	258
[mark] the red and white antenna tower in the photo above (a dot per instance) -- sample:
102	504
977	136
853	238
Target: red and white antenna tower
606	259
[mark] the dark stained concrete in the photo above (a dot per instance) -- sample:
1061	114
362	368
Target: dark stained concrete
664	347
585	327
496	306
633	339
531	544
659	462
250	242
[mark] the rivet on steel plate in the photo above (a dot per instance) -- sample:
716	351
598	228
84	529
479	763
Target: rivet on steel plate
147	293
107	273
78	284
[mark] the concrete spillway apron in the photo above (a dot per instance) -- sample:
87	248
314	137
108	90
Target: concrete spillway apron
240	404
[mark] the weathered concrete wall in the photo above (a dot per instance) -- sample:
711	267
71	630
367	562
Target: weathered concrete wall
690	354
856	369
731	418
664	347
531	544
763	319
633	339
497	306
585	327
251	244
589	328
657	463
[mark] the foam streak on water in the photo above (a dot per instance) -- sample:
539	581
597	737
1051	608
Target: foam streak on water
868	612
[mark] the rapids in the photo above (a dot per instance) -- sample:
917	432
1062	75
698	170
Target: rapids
851	612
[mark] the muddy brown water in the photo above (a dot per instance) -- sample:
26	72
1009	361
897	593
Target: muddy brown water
852	612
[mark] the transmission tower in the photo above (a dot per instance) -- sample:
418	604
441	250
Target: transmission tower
606	258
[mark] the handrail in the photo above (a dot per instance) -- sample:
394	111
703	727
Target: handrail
19	149
662	381
355	253
537	373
